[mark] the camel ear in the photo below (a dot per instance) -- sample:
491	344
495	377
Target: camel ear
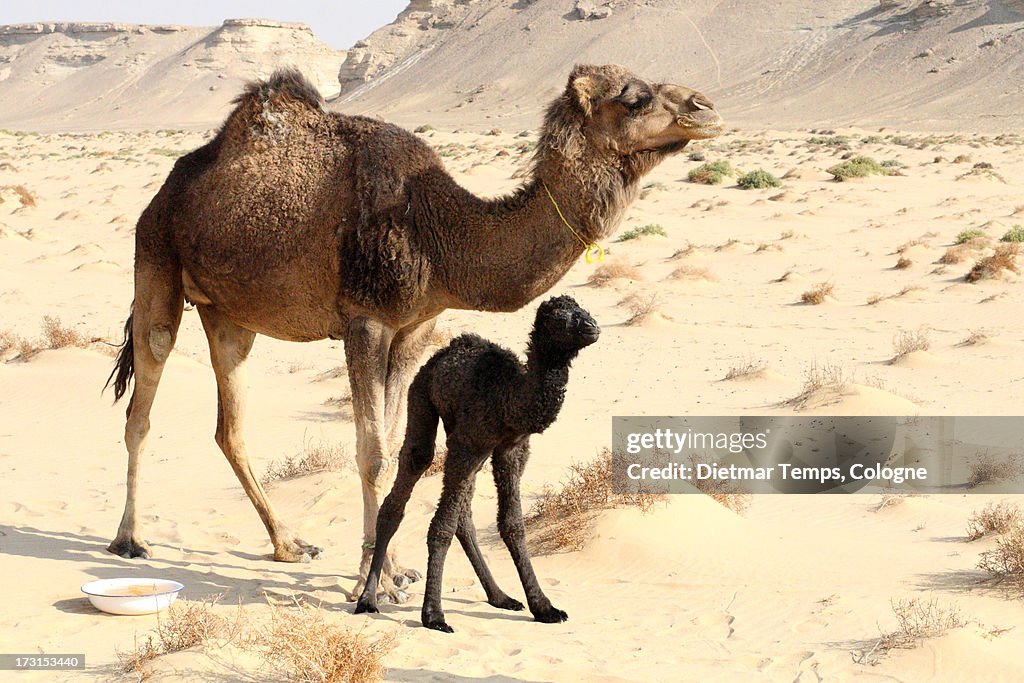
586	90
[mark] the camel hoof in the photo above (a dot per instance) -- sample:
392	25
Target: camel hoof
509	603
439	625
552	615
396	597
401	581
298	551
129	548
412	575
366	607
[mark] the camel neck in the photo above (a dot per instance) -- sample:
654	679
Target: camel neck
500	254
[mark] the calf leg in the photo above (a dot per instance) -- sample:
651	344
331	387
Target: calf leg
508	468
467	537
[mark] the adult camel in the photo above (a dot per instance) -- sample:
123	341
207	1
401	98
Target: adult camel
303	224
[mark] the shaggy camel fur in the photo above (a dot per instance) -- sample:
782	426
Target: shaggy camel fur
490	404
303	224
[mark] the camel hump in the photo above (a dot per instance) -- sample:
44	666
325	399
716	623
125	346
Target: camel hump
284	85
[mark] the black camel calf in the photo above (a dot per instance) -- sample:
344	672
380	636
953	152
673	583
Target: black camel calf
490	404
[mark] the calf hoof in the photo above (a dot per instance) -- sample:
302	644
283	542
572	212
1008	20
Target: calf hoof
395	597
129	548
551	615
439	625
509	604
366	607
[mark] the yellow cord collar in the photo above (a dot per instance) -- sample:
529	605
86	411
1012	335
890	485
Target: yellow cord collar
590	249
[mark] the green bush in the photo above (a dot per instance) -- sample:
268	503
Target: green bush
858	167
1014	234
970	235
711	173
757	180
649	229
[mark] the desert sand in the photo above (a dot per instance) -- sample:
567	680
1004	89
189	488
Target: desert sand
788	591
796	588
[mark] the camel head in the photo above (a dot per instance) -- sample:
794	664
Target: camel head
561	323
620	113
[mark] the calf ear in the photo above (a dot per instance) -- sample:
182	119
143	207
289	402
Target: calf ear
585	90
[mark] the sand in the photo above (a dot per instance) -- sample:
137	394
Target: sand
792	590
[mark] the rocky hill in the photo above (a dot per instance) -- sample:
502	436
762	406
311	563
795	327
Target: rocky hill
104	75
944	64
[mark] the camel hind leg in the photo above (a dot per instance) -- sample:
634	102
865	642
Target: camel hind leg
229	348
151	334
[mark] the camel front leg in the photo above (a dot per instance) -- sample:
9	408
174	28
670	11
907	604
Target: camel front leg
403	363
367	348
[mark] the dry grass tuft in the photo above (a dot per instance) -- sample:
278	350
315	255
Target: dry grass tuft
316	456
975	338
985	469
994	518
903	263
818	295
692	273
905	343
991	267
748	369
186	624
604	275
916	620
956	254
56	335
641	308
818	378
307	648
24	196
559	519
724	491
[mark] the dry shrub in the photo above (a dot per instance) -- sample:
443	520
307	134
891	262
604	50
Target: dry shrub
916	620
692	273
985	469
991	267
10	341
975	338
957	254
818	378
994	518
316	456
818	294
605	274
307	648
185	625
905	343
785	276
640	307
58	336
1006	561
724	491
748	369
24	196
903	263
559	519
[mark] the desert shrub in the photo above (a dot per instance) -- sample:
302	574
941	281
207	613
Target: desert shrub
817	378
725	492
1014	234
905	343
986	469
757	180
696	156
818	294
962	159
957	254
57	335
857	167
649	229
894	164
185	625
307	648
748	369
991	267
916	620
425	128
994	518
559	519
604	274
903	263
640	307
1006	560
970	235
316	456
692	273
711	173
25	197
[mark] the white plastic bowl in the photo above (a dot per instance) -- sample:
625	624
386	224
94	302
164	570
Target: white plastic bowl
132	596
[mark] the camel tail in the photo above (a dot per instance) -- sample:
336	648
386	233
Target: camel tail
124	366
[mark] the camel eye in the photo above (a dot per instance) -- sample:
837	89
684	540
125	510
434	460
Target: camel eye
634	99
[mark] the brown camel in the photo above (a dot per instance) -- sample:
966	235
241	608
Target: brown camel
303	224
